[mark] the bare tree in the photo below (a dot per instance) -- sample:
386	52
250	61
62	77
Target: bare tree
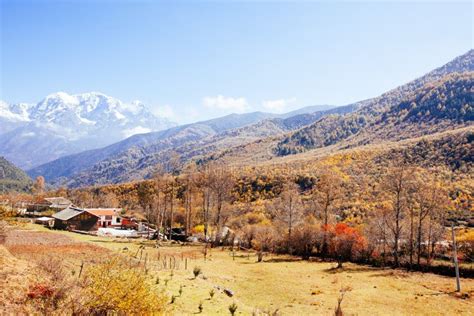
289	209
396	185
221	183
325	195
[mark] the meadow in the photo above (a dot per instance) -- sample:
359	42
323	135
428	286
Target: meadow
280	285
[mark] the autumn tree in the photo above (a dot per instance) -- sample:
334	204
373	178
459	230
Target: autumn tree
202	182
170	190
146	193
344	242
397	185
306	237
430	199
264	237
221	184
39	185
288	210
325	195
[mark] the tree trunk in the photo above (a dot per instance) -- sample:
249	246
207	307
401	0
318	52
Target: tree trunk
171	214
419	238
412	215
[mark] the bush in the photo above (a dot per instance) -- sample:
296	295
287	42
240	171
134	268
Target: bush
232	308
197	271
112	287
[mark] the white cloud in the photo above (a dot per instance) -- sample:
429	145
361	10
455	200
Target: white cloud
279	105
220	102
136	130
165	111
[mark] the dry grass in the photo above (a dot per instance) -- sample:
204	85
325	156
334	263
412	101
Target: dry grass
281	283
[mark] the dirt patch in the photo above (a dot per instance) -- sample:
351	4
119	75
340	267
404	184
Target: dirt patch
33	245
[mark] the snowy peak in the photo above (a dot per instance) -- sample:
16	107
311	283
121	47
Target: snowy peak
93	108
71	122
14	112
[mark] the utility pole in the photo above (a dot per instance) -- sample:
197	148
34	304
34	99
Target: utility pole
455	257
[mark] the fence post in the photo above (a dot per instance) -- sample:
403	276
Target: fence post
80	271
455	257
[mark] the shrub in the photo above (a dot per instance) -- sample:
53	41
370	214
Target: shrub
211	293
200	307
232	308
197	271
112	287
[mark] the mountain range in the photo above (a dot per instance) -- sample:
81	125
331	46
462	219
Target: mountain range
61	124
440	101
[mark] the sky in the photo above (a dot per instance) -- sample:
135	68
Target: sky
194	60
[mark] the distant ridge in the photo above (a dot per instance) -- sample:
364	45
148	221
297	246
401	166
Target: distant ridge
351	125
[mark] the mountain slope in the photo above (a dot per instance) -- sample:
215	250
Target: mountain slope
437	106
332	129
141	144
63	124
135	157
353	125
13	178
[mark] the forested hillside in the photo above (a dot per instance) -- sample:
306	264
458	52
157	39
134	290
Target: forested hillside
439	101
13	178
437	106
137	156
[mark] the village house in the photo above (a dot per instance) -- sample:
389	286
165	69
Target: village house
108	217
73	218
38	208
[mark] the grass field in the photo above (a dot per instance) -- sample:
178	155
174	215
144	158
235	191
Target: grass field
286	284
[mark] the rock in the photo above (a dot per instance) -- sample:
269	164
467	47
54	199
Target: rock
229	292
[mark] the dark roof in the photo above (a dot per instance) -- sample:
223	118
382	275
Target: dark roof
69	213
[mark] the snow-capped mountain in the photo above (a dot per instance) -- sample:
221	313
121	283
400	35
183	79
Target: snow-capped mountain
62	124
13	116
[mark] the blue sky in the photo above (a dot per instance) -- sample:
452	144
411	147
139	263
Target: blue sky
193	60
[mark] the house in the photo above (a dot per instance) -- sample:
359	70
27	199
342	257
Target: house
73	218
108	217
46	204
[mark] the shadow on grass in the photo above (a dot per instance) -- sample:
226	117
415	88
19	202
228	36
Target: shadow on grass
278	260
350	269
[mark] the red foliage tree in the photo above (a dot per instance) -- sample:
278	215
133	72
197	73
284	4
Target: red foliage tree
344	242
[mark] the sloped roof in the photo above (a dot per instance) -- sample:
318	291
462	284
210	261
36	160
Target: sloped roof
58	201
103	211
69	213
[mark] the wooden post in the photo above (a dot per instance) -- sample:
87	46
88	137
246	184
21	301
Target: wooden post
455	257
186	264
144	265
80	271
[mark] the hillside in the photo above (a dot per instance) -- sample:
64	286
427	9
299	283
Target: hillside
263	136
12	178
437	106
135	157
